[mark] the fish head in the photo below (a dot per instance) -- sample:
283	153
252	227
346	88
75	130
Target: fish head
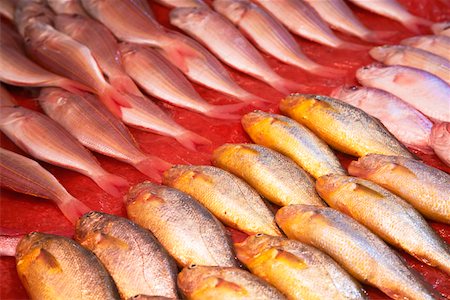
232	9
189	17
293	218
144	192
31	242
90	223
254	245
351	94
374	72
254	119
177	174
384	53
299	106
365	166
332	184
440	135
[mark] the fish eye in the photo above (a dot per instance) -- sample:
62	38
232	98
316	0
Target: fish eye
354	88
192	266
259	235
366	68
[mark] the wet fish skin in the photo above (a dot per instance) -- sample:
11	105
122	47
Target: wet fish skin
6	99
292	139
181	3
272	175
11	38
7	8
427	189
388	216
226	196
223	283
422	90
69	7
442	28
437	44
189	232
341	125
440	141
406	123
30	12
355	248
55	267
145	297
136	261
297	270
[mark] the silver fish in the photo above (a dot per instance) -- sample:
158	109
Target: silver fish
440	141
437	44
70	7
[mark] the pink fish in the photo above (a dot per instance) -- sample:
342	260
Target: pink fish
437	44
48	141
5	98
31	11
7	8
181	3
407	124
71	7
422	90
26	176
11	38
442	28
8	244
440	141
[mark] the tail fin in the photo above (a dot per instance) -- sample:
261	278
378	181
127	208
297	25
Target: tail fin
176	51
285	86
329	72
111	183
379	37
223	111
353	46
114	100
189	139
8	244
72	86
73	209
123	83
413	24
152	166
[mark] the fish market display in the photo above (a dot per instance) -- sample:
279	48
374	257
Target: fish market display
343	126
272	175
422	90
293	140
46	140
440	141
414	58
355	248
386	215
407	124
134	258
189	232
229	198
219	283
70	7
299	271
55	267
424	187
26	176
442	28
437	44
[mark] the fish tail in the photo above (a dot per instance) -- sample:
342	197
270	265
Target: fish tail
379	37
224	111
353	46
153	166
111	183
329	72
285	86
114	100
73	86
413	24
123	83
8	244
190	139
176	51
356	169
73	209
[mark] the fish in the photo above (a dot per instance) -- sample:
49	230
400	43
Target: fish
393	10
442	28
24	175
101	131
341	125
160	79
181	3
226	196
436	44
414	58
297	270
226	42
8	244
359	251
293	140
136	261
46	140
6	99
388	216
187	230
7	8
224	283
70	7
11	38
272	175
269	35
427	189
440	141
56	267
406	123
146	297
422	90
29	12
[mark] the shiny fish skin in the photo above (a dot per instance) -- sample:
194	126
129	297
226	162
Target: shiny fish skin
299	271
189	232
388	216
342	126
406	123
437	44
424	91
442	28
145	297
355	248
181	3
70	7
6	99
440	141
221	283
7	8
136	261
424	187
11	38
293	140
272	175
414	58
30	12
55	267
226	196
26	176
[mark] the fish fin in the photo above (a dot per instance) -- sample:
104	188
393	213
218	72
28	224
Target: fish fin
8	244
223	111
48	260
399	169
189	139
152	166
379	37
176	52
414	23
113	100
201	176
125	84
149	197
104	240
356	169
325	71
286	86
290	259
359	188
353	46
404	78
222	283
111	183
73	86
73	209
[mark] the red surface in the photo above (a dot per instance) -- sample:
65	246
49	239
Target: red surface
20	214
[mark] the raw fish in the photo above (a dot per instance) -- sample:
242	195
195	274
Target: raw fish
442	28
7	8
181	3
30	12
70	7
437	44
440	141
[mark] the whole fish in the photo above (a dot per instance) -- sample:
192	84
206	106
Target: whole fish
181	3
162	80
269	35
70	7
29	12
55	267
437	44
226	196
189	232
26	176
48	141
7	8
293	140
224	283
414	58
388	216
355	248
272	175
440	141
228	44
406	123
393	10
422	90
134	258
101	131
297	270
341	125
424	187
442	28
